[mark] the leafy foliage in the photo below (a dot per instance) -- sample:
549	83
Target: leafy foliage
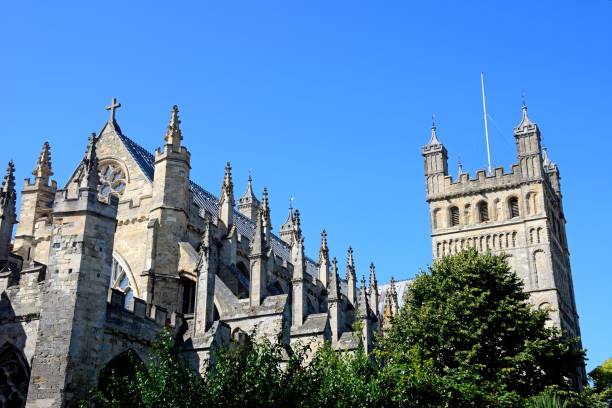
466	337
546	400
467	327
602	380
166	382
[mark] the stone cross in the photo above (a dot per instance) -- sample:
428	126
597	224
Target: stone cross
113	106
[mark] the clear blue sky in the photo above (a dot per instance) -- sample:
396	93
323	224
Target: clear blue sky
330	102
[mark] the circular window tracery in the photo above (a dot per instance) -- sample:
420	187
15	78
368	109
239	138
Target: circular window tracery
112	180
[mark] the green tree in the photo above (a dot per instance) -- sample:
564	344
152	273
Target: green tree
602	381
248	375
467	330
166	382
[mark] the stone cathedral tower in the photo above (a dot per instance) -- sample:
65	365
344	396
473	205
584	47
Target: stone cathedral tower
519	213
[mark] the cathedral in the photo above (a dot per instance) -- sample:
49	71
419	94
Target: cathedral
131	245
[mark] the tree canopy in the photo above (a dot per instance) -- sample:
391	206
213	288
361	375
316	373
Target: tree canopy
467	323
466	337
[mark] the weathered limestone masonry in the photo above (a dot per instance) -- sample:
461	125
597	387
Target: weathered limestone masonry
518	213
73	314
131	246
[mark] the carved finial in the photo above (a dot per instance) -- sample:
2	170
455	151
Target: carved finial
333	280
373	281
226	200
228	185
112	108
265	214
173	133
8	184
525	121
460	167
350	266
324	250
392	287
88	174
289	221
433	140
227	180
42	171
265	204
8	205
362	304
248	204
286	230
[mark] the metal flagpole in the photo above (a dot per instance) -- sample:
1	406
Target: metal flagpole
484	109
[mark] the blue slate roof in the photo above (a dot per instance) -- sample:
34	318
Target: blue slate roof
207	201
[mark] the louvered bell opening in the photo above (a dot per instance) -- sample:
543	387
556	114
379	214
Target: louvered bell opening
483	209
514	207
454	216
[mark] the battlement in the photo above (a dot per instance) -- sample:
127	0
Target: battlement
137	310
483	182
168	153
28	185
86	200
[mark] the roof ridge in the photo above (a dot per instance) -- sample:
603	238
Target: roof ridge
202	197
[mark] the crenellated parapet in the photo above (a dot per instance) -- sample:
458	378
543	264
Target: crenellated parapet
480	183
147	318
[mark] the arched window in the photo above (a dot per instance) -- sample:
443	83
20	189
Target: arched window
483	211
454	216
14	377
513	207
121	279
123	367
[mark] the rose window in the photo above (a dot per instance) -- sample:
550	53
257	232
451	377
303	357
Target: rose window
112	181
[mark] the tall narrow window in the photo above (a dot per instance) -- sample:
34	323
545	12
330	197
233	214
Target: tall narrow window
483	211
513	205
454	216
188	296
